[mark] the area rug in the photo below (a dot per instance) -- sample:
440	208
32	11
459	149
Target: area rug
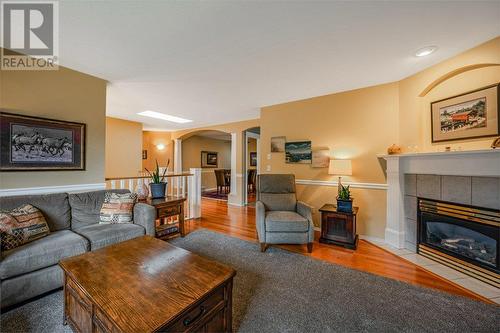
214	195
281	291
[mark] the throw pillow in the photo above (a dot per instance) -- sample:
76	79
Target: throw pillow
117	208
21	225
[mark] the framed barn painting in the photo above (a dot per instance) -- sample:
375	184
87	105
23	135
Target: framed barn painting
39	144
467	116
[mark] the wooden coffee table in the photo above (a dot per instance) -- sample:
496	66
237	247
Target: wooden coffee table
145	285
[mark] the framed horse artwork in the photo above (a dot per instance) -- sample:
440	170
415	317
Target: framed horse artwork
37	144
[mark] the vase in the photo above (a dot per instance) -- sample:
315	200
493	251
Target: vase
142	190
344	205
158	190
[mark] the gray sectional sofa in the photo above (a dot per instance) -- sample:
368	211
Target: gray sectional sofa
73	219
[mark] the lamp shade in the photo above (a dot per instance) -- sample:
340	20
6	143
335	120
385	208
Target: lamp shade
340	167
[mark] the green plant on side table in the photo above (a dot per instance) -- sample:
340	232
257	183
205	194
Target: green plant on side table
157	184
344	199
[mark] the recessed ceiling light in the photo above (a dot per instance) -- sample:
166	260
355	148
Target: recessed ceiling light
425	51
158	115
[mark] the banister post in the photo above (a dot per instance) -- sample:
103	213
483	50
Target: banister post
194	193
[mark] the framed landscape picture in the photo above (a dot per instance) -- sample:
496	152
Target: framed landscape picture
37	144
209	159
321	158
278	144
298	152
253	159
470	115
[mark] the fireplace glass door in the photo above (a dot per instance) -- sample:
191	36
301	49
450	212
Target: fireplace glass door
461	241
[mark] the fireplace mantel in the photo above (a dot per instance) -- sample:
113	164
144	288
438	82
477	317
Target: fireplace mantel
484	162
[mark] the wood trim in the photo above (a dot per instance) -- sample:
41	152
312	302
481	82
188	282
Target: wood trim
142	177
451	74
370	186
52	189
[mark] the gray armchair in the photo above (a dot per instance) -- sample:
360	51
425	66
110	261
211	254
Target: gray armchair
281	219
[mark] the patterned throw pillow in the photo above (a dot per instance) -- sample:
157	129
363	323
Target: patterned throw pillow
21	225
117	208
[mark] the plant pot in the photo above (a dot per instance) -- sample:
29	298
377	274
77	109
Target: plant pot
158	190
344	205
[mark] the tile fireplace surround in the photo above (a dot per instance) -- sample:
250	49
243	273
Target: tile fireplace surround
463	177
467	177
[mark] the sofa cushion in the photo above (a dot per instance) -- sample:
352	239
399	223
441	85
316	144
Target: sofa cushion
54	207
102	235
21	225
86	207
42	253
117	208
286	221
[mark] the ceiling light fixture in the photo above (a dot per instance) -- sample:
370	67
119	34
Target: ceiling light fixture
425	51
158	115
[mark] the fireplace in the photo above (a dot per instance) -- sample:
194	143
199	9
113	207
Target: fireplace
462	237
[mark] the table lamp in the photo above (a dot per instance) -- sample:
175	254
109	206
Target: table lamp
340	168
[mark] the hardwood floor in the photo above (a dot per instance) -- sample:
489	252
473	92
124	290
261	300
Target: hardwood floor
240	222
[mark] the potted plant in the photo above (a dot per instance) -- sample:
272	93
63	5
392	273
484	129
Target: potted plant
157	184
344	199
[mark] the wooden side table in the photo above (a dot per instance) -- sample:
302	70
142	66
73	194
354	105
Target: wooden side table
337	227
167	207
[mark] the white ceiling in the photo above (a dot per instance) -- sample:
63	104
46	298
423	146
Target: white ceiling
216	135
220	61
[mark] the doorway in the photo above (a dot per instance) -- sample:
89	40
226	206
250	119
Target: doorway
251	164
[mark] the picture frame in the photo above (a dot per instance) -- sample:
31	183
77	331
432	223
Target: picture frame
470	115
320	158
253	159
30	143
278	144
209	159
144	154
298	152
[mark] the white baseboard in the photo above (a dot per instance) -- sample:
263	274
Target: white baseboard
372	238
52	189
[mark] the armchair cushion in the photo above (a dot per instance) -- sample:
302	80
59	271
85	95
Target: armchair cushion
286	221
281	201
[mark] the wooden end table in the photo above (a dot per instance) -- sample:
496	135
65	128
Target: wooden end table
166	207
338	227
146	285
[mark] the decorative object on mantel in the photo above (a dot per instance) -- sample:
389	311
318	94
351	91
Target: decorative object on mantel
158	185
394	149
320	158
340	168
469	115
496	143
38	144
278	144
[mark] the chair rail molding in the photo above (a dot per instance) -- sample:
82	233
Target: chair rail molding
334	183
52	189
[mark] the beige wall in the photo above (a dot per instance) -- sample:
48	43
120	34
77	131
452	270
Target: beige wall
123	148
415	111
361	123
64	95
356	125
191	157
150	139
